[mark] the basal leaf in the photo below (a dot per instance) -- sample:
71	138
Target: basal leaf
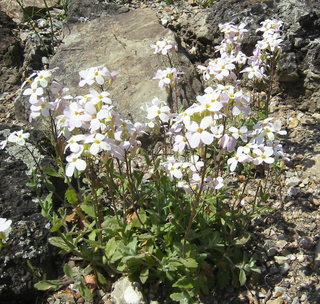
242	277
58	242
184	282
88	210
111	247
68	271
190	263
51	172
71	196
144	274
45	285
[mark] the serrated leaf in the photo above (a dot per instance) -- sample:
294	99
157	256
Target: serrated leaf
190	263
58	242
110	248
47	286
47	205
51	172
177	296
57	225
71	196
184	282
99	191
88	210
68	271
242	277
144	274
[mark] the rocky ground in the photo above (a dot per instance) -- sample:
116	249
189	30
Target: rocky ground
286	239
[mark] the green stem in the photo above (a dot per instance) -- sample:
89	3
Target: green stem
195	204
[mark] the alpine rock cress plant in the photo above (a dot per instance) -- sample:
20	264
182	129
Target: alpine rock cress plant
177	219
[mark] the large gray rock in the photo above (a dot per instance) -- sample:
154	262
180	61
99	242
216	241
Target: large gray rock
10	55
120	40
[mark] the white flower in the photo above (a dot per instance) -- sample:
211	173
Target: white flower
263	156
5	228
34	92
239	157
174	170
18	137
74	162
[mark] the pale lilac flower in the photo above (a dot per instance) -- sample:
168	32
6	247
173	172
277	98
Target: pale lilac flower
161	47
164	80
42	107
228	142
221	68
242	104
216	183
91	75
194	163
180	143
242	132
217	131
257	137
253	71
76	116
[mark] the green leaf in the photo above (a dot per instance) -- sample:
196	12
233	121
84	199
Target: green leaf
71	196
45	285
47	205
57	225
242	277
49	185
144	274
68	271
184	282
88	210
101	278
51	172
177	296
190	263
30	266
99	191
59	242
146	156
111	247
85	292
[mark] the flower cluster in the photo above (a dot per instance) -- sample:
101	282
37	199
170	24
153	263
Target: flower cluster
164	46
89	123
213	119
17	137
265	49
